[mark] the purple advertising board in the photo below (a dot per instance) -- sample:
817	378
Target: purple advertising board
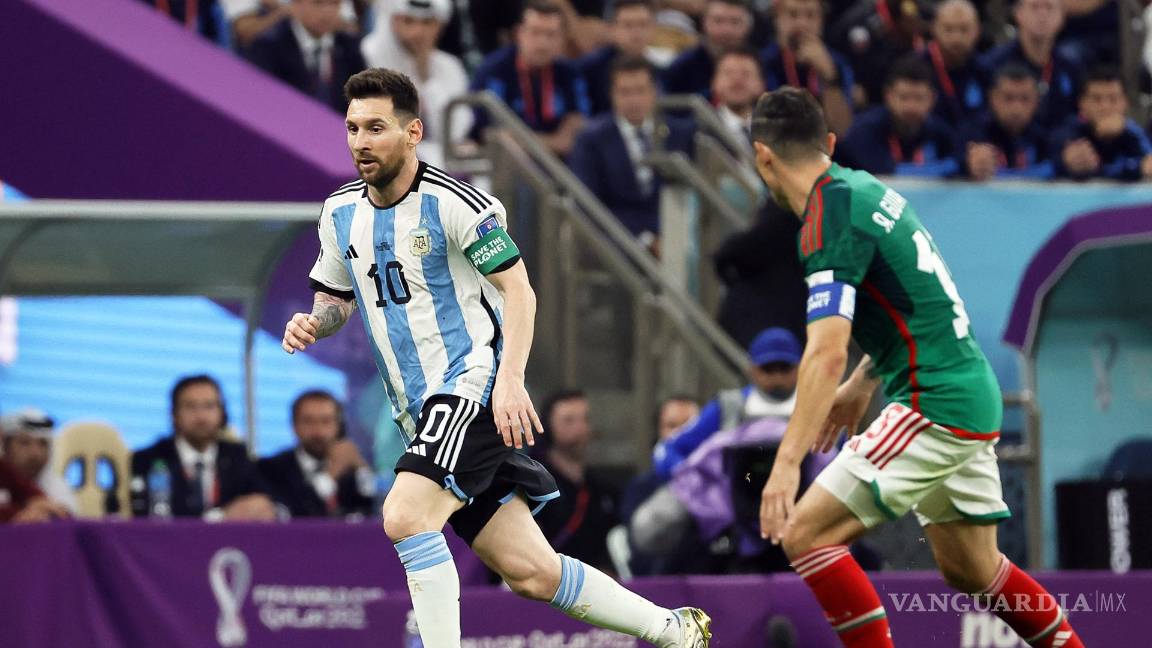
186	584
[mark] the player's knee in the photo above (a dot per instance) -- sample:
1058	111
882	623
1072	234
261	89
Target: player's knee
533	577
798	538
402	521
968	576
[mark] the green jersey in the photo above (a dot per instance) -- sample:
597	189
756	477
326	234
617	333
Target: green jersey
867	258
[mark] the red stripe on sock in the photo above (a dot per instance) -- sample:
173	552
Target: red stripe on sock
845	593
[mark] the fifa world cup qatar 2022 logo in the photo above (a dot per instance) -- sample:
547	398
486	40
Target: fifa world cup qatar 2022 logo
281	607
230	575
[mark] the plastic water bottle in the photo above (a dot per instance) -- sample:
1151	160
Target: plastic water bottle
159	491
412	632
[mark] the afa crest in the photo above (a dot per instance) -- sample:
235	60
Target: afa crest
420	242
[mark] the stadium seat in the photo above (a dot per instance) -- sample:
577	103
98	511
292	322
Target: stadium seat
87	454
1132	460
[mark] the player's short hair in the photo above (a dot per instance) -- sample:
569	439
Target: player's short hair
1013	71
630	64
650	5
543	7
741	51
198	379
1101	74
790	122
382	82
911	69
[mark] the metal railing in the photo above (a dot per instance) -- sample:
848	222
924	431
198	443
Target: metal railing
622	324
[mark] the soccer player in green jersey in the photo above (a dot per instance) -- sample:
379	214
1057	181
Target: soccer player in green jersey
875	274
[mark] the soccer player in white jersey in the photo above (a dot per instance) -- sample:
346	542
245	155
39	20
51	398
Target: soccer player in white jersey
449	310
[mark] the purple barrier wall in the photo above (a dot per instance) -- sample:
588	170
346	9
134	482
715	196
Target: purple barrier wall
186	584
109	99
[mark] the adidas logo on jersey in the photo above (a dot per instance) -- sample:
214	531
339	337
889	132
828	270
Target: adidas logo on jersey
420	449
351	253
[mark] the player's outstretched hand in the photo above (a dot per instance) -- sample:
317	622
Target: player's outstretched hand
778	500
299	332
516	418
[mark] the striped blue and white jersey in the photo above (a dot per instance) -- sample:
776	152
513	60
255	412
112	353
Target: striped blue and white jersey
417	271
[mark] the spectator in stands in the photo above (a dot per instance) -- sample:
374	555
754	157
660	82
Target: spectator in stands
1038	23
902	137
251	18
405	40
673	414
578	521
206	476
610	155
200	16
774	357
726	25
874	35
737	84
1008	143
959	77
22	501
633	22
324	475
1103	142
546	91
1091	31
28	448
310	53
763	277
800	58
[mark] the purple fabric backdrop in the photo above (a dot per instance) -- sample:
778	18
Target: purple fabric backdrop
186	584
110	99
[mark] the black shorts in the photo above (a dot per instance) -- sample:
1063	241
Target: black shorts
458	446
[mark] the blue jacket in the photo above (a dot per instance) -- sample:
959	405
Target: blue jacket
1120	157
1027	155
871	145
547	106
600	159
1061	80
690	73
597	71
776	75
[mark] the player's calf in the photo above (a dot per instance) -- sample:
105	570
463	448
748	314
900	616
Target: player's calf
533	576
1029	609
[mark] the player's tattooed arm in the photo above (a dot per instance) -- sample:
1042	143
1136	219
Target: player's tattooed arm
331	312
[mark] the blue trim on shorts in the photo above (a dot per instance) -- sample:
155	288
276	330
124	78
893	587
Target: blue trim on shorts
543	501
450	484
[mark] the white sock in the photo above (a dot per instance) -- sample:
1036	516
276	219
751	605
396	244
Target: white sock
590	595
434	586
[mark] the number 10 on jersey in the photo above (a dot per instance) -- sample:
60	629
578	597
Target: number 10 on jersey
393	276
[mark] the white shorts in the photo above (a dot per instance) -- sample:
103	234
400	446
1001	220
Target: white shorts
905	462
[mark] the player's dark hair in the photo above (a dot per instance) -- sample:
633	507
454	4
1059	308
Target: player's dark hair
909	68
1101	74
318	395
790	122
741	51
650	5
544	7
630	64
1014	71
382	82
199	379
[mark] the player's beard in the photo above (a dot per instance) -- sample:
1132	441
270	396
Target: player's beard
383	175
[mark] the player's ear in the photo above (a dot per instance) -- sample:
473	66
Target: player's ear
830	144
764	154
415	132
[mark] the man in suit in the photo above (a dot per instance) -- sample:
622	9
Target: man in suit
309	52
324	475
609	156
633	22
195	473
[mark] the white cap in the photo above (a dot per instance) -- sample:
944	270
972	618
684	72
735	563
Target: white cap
440	10
28	421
